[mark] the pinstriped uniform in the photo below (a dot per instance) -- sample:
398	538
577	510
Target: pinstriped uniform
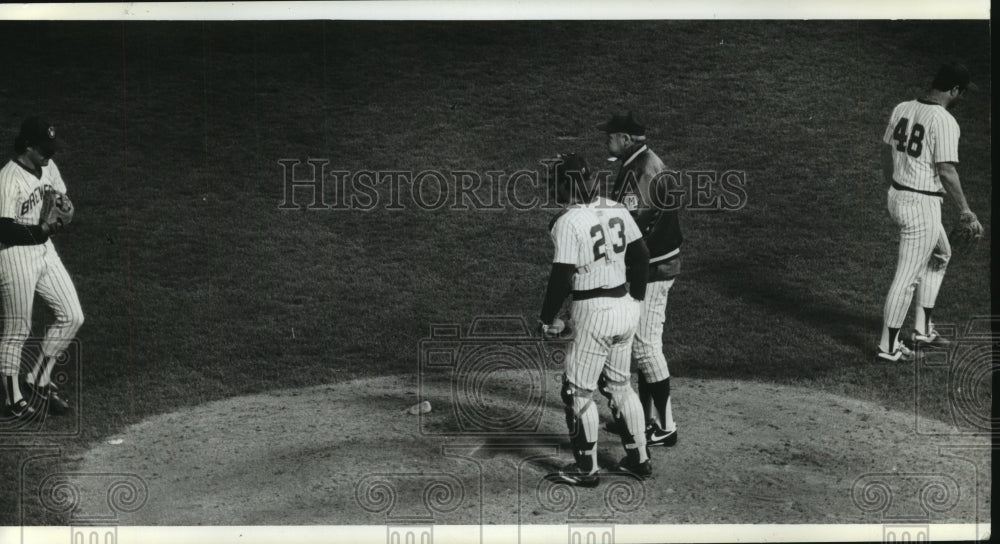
593	237
648	347
932	135
922	135
25	270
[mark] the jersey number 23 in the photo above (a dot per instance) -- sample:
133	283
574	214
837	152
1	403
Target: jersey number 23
617	228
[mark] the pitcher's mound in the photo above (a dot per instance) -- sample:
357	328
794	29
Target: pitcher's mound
349	454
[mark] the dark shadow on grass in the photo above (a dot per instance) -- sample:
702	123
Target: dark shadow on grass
741	280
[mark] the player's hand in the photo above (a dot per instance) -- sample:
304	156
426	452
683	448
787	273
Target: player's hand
553	330
967	234
972	223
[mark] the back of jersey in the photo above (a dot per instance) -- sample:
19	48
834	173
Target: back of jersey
593	237
921	134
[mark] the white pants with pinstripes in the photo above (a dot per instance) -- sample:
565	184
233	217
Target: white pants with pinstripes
647	350
25	270
605	327
924	252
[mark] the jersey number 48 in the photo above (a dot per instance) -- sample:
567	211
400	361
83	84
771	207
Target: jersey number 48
912	144
617	227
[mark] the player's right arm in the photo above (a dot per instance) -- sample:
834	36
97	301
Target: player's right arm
636	258
888	168
12	233
560	282
637	268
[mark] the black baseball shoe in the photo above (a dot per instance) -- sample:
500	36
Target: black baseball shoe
931	340
19	410
657	437
642	471
48	396
902	354
572	475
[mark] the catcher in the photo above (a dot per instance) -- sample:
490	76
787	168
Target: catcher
34	207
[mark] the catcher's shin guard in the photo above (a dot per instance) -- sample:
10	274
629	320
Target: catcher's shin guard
581	414
628	414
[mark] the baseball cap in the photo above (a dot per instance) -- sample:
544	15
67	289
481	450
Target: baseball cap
951	74
40	134
623	123
572	168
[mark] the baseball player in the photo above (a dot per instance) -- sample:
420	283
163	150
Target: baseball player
596	240
29	264
641	186
919	161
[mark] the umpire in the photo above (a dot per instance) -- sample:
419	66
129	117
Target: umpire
643	185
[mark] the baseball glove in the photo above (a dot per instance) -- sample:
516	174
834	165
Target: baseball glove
966	233
57	210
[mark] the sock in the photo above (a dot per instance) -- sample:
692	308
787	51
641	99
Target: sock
646	398
890	337
661	399
586	459
36	371
13	389
46	378
631	421
922	320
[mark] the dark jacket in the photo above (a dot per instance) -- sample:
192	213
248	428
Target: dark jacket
649	191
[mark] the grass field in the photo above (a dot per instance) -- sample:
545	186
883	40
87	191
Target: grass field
196	286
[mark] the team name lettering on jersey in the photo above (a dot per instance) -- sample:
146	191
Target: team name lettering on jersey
34	199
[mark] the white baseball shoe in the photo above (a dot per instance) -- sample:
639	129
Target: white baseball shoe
931	340
902	353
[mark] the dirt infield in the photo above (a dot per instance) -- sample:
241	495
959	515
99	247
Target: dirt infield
348	454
